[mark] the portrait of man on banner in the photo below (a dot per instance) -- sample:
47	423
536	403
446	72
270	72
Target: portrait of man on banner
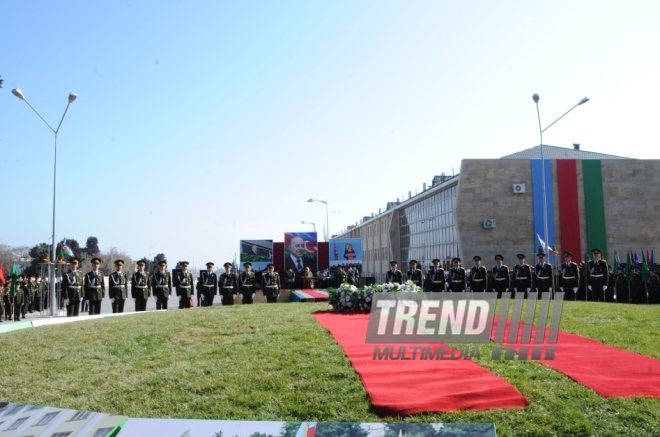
257	252
300	251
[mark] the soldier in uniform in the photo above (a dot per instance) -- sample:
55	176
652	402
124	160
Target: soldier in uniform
569	277
542	275
478	276
290	278
94	287
140	287
457	277
247	282
31	286
118	284
609	292
597	279
6	307
435	278
37	304
161	285
183	282
394	275
24	285
621	284
653	287
637	287
228	283
414	274
522	277
207	286
17	302
270	284
501	279
72	288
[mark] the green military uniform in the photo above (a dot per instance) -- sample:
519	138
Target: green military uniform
94	288
270	284
140	287
183	281
247	284
228	283
72	288
118	288
161	286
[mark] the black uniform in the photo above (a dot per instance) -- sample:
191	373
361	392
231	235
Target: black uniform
183	281
270	284
435	280
478	279
522	279
597	280
543	278
228	283
416	276
207	288
637	288
457	279
118	292
501	280
569	280
140	290
394	276
72	289
621	283
247	286
161	287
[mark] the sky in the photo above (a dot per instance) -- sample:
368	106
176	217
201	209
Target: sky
198	124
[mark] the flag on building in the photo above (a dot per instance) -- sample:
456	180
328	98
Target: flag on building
14	280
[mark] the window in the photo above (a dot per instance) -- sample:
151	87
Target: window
102	432
47	418
18	423
62	434
80	415
15	410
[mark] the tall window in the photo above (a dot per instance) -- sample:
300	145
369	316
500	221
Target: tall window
47	418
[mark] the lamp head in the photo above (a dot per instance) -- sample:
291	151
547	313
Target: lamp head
584	100
18	93
310	200
535	97
72	97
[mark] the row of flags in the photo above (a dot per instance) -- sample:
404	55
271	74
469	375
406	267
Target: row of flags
14	279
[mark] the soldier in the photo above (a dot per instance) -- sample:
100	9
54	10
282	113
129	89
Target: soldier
394	275
609	292
569	277
228	283
37	302
435	278
597	279
24	300
457	277
118	288
72	288
183	281
17	302
161	285
207	286
31	286
637	286
270	284
522	277
542	275
247	283
621	284
140	287
414	274
653	287
290	278
478	276
6	302
94	287
501	279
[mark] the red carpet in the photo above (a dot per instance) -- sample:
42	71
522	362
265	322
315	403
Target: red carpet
609	371
415	386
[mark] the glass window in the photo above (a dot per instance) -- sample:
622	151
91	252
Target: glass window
47	418
18	423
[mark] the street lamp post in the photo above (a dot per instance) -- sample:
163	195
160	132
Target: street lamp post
536	99
72	97
309	223
327	222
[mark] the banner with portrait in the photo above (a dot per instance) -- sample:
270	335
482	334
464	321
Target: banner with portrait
300	251
258	252
345	252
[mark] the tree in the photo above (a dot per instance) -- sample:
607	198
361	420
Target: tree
39	254
160	257
108	260
92	246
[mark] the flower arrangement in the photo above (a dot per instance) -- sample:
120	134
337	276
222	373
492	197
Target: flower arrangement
349	298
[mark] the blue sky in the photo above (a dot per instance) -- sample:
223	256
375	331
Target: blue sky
202	123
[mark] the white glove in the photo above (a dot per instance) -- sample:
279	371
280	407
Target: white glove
134	299
66	301
589	287
156	297
180	297
528	289
253	294
112	300
233	296
574	289
561	288
515	289
241	296
604	287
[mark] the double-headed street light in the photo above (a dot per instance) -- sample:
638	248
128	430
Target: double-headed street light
309	223
536	99
72	98
327	222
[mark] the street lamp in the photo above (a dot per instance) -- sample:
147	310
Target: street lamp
536	99
327	222
72	98
309	223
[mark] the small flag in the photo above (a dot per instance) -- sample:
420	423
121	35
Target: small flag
648	256
14	280
66	250
616	257
2	275
628	267
545	246
645	268
637	258
652	261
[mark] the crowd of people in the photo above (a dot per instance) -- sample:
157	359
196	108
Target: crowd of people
592	281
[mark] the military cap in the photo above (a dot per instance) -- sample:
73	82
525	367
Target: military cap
392	263
498	256
96	261
455	259
247	264
596	250
521	256
74	260
270	265
568	254
476	258
541	254
209	264
162	263
227	264
119	262
141	263
435	261
184	263
412	261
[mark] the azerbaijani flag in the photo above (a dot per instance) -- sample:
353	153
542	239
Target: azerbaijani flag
66	250
307	429
545	246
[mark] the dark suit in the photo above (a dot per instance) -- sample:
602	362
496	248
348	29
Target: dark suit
478	279
228	283
72	290
270	284
457	279
435	280
161	286
118	290
247	286
569	280
543	277
305	262
140	290
207	288
522	279
394	276
501	280
596	280
183	281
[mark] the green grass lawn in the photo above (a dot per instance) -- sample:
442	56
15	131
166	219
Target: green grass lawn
275	362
